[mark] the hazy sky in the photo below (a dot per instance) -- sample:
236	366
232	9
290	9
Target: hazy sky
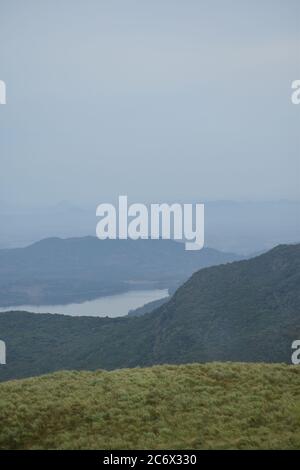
157	99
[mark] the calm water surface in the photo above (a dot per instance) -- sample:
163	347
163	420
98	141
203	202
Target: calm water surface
111	306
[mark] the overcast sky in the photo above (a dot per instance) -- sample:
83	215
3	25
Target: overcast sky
157	99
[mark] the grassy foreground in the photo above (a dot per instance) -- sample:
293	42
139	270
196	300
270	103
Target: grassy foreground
209	406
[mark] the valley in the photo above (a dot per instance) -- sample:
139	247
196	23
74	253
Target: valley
245	311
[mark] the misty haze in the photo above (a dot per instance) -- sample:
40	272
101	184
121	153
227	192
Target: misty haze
140	343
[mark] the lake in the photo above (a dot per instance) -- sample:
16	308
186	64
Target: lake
112	306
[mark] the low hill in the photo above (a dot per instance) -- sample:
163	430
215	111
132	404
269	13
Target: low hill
59	271
211	406
247	311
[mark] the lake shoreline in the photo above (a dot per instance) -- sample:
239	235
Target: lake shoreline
112	306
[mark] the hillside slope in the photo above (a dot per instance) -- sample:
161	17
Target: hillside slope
211	406
246	311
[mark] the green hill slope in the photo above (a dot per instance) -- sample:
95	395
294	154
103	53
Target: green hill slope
247	311
211	406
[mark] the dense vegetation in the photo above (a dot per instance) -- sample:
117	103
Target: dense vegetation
148	307
211	406
246	311
56	271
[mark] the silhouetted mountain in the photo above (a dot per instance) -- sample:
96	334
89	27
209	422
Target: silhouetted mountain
57	271
243	311
230	226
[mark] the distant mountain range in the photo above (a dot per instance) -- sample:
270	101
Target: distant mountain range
231	226
60	271
243	311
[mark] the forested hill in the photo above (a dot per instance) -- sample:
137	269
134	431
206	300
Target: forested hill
243	311
58	271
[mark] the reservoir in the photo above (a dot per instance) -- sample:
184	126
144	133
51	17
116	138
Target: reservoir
111	306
